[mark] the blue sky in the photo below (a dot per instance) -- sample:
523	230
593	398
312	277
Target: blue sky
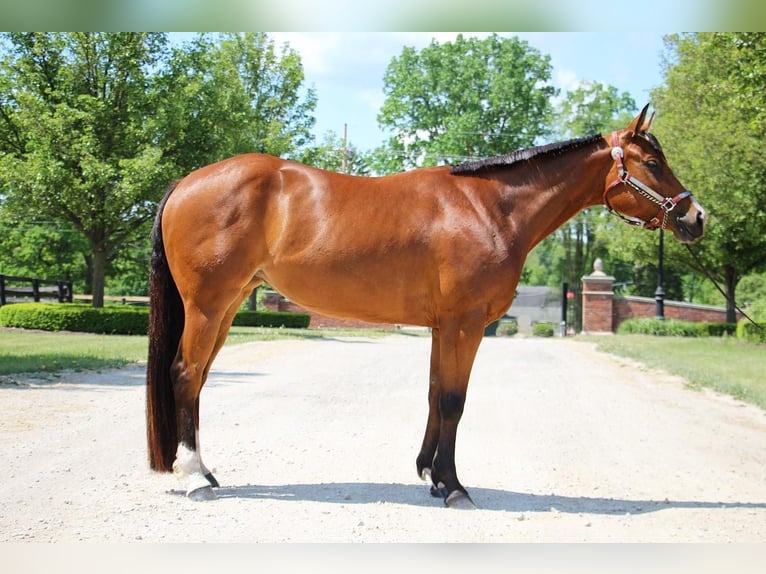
346	69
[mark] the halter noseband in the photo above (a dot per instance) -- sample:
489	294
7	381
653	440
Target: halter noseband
667	204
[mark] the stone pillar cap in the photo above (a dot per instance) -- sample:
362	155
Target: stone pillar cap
598	268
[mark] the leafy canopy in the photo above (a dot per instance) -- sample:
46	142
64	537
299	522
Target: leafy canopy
465	99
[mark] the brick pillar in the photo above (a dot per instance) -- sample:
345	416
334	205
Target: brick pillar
597	300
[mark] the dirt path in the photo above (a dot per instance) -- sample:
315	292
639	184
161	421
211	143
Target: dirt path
316	441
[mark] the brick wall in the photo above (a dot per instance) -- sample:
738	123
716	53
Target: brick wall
602	312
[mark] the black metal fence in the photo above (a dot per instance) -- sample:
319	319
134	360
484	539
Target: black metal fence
21	289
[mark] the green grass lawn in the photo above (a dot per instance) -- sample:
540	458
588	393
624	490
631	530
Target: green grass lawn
27	351
35	351
723	364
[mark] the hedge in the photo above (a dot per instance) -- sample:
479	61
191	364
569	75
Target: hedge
542	330
507	328
118	320
675	328
112	320
272	319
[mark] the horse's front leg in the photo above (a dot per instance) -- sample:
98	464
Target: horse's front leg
425	460
458	342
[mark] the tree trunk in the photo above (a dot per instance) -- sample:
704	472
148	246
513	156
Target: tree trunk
88	288
252	302
731	286
99	276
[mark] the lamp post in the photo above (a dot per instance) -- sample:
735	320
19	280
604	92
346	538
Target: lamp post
659	294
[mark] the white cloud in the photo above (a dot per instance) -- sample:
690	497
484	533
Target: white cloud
318	50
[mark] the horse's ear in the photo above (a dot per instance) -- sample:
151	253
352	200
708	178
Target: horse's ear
640	124
647	124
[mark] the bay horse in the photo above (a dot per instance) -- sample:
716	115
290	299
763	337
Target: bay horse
441	247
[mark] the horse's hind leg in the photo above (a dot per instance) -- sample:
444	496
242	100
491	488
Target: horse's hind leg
197	342
204	334
223	331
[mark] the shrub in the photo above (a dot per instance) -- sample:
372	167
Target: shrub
119	320
542	330
507	328
272	319
746	331
658	327
719	329
675	328
113	320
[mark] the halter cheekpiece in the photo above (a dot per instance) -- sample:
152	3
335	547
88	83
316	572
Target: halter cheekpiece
666	204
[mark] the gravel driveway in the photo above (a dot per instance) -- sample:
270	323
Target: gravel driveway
315	441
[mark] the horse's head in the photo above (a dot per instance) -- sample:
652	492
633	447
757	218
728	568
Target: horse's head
642	189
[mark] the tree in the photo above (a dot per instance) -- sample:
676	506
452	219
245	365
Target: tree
463	100
712	124
233	93
329	154
26	247
93	126
593	108
72	132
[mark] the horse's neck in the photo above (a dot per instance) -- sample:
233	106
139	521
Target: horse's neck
559	189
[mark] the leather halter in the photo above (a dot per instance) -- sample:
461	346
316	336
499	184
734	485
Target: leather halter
667	204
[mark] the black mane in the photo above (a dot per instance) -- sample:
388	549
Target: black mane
509	159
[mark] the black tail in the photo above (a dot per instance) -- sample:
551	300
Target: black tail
166	323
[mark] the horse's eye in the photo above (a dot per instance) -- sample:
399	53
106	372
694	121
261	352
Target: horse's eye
652	163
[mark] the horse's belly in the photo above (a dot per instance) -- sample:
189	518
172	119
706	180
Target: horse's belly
366	294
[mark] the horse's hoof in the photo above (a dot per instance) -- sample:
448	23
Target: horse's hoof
211	479
438	491
460	500
202	494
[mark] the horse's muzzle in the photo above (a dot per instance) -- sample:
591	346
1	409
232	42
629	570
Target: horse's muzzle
690	227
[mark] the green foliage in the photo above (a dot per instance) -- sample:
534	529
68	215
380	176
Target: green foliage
713	124
329	155
122	320
73	129
507	328
751	333
645	281
29	249
593	108
465	99
674	328
272	319
229	94
94	125
757	310
542	330
752	294
719	329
